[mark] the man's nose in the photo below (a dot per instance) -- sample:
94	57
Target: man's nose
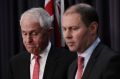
68	34
29	39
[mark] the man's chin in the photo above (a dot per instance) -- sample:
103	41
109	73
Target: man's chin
30	51
72	49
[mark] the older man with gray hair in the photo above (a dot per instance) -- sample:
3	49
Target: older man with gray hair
40	60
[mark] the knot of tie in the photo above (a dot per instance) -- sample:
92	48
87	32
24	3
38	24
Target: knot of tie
80	61
37	57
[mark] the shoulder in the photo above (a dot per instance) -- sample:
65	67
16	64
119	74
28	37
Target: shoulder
63	51
19	57
61	54
105	54
108	51
110	59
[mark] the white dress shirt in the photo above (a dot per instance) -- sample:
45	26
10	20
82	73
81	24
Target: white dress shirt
87	53
43	58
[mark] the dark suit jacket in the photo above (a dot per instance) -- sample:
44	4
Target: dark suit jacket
104	63
56	66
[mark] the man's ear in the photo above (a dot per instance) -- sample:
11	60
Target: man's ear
93	27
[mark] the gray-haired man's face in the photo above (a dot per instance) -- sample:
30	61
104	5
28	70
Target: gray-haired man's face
34	38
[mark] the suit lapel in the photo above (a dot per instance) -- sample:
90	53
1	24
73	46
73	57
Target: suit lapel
26	65
72	70
49	70
92	61
50	65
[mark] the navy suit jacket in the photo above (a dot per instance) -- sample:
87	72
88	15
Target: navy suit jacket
104	63
56	66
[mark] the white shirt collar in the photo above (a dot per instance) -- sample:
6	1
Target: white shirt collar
87	53
44	52
43	59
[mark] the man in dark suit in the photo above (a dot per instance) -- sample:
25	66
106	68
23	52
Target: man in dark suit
80	30
40	60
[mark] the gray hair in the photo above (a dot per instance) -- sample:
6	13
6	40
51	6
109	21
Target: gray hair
40	15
